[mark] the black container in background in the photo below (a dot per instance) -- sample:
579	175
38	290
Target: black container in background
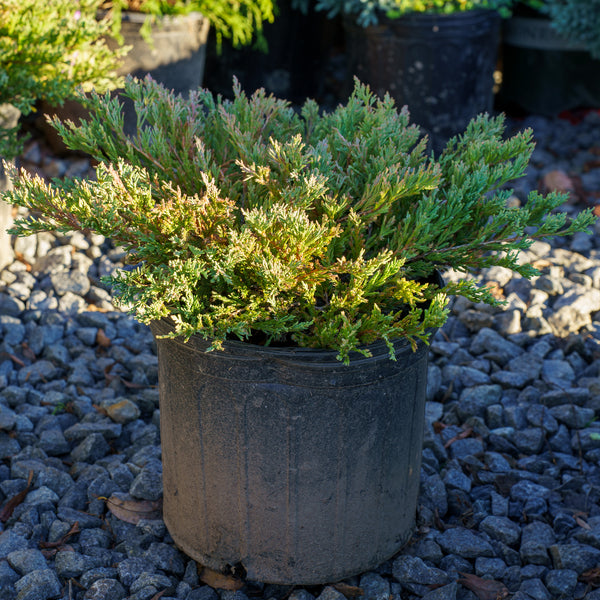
440	66
542	73
297	65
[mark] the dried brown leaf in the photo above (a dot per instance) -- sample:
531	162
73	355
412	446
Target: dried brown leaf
461	436
133	511
102	340
62	541
591	577
14	358
12	503
28	353
21	258
218	580
582	523
484	589
438	426
350	591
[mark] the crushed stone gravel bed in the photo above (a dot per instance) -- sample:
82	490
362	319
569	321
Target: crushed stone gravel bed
510	497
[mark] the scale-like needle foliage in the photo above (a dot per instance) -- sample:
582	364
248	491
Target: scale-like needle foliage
246	218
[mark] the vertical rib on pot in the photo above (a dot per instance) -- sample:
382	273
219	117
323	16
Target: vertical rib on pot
285	461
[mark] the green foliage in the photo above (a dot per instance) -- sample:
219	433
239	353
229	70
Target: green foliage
47	50
240	21
246	218
368	12
576	20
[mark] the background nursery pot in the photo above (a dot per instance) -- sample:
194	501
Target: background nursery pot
440	65
544	72
173	53
283	460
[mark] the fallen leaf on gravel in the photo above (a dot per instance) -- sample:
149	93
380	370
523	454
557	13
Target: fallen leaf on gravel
28	353
21	258
9	507
14	358
218	580
133	511
591	577
461	436
582	523
102	340
350	591
158	595
61	542
484	589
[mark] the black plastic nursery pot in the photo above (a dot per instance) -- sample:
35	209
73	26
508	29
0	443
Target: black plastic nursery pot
542	73
286	463
440	66
174	55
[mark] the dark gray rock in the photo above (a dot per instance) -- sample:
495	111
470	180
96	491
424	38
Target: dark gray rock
490	568
525	489
574	557
41	584
536	538
131	568
147	485
467	447
78	432
10	541
159	581
446	592
502	529
93	575
529	440
573	416
475	400
105	589
330	593
534	588
561	583
464	542
206	593
492	345
25	561
53	442
409	570
433	494
91	449
70	564
166	557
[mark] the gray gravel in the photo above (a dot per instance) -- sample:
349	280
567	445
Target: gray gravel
511	459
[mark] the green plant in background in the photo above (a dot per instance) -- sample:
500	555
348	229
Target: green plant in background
370	11
576	20
247	219
47	50
240	21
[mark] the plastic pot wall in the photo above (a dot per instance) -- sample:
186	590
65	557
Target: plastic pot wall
175	58
544	74
176	55
440	66
287	463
